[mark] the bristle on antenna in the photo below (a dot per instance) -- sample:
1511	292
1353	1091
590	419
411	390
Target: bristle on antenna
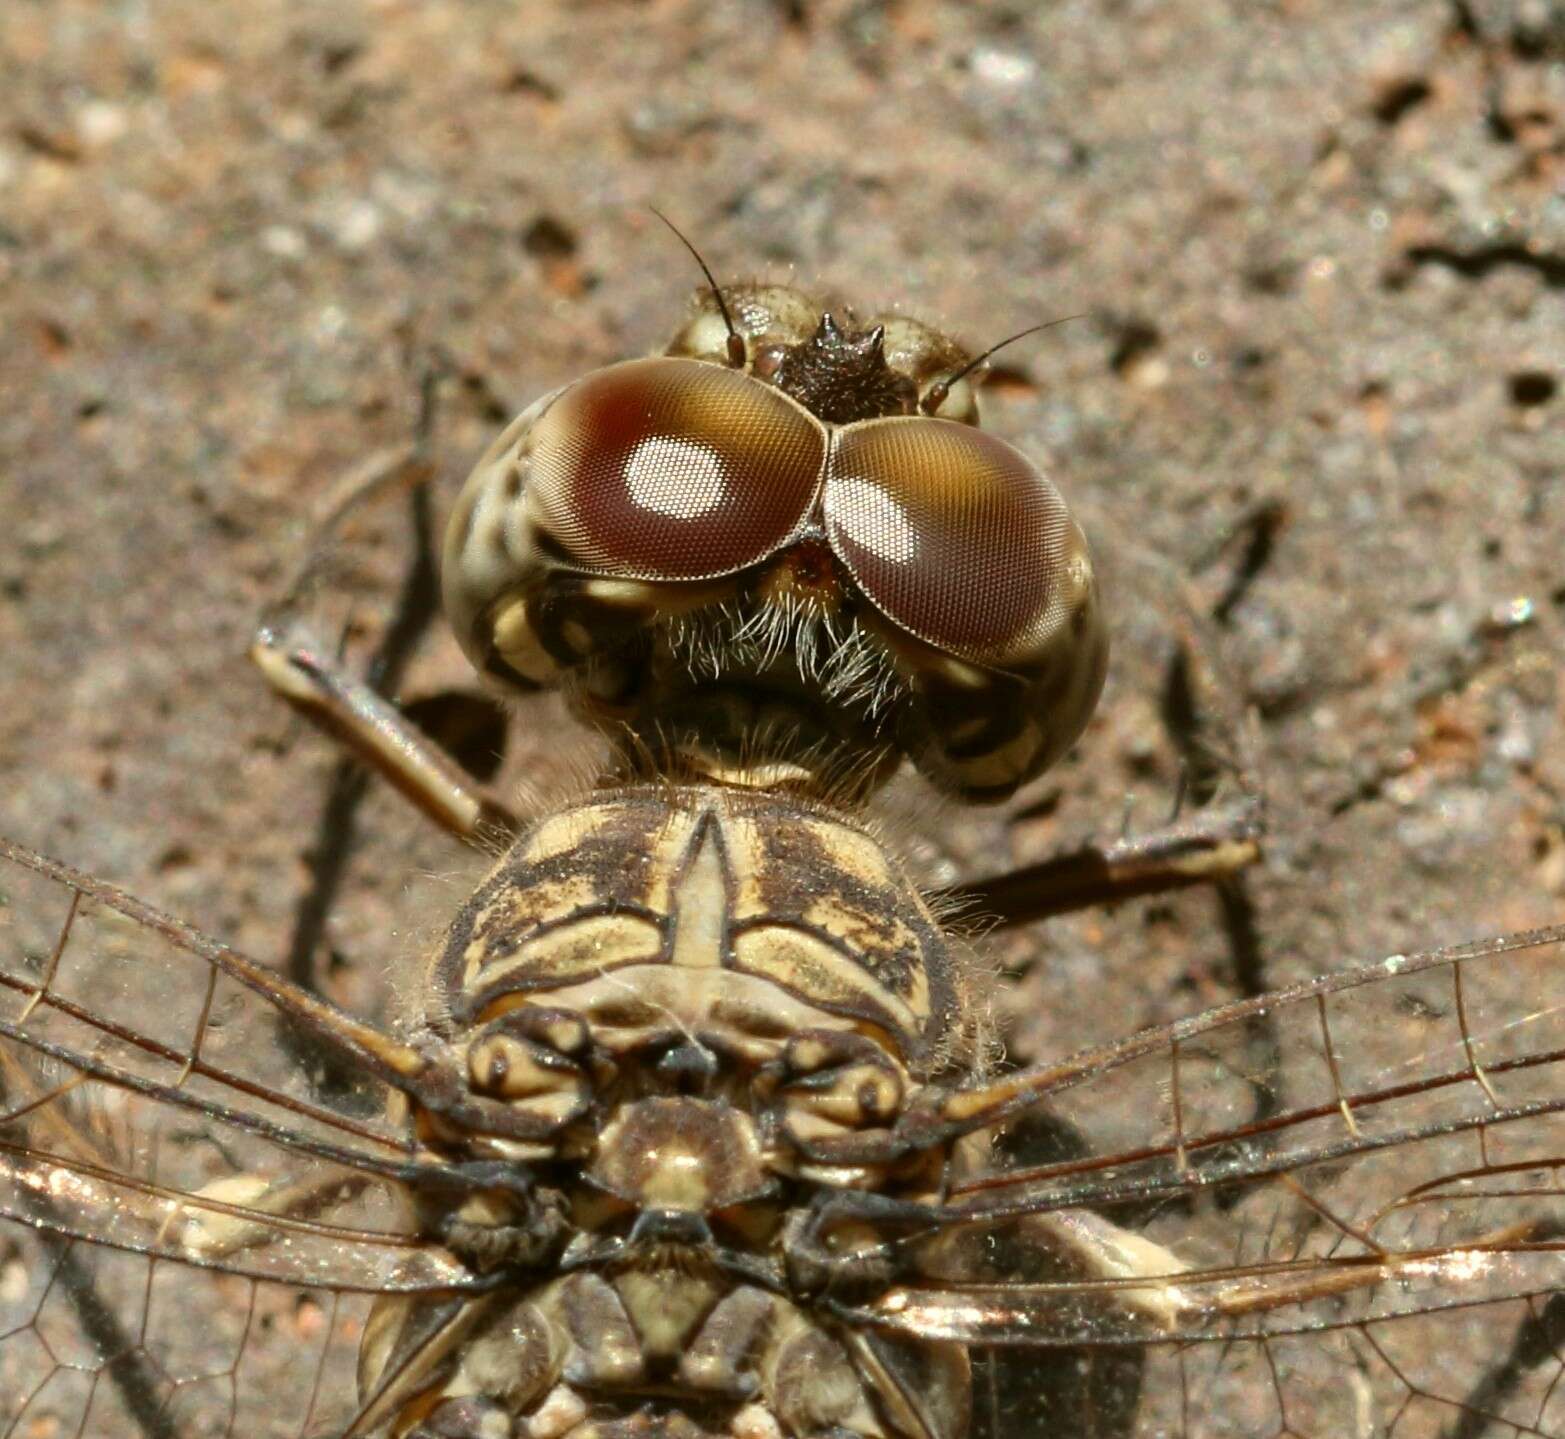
736	347
935	396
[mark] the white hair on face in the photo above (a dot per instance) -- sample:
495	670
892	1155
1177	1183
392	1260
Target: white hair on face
840	661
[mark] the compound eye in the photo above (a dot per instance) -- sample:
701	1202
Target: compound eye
956	537
669	469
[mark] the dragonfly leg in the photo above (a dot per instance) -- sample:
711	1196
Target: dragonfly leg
1207	847
358	712
375	733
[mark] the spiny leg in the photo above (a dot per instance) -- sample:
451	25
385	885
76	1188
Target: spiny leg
358	712
355	711
1207	847
1214	844
1217	745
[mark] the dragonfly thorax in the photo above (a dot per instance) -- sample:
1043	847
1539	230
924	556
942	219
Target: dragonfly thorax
686	1023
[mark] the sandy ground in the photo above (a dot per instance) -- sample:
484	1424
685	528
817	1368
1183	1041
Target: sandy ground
1319	248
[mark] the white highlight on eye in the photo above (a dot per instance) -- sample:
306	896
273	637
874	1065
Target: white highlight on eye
872	518
675	477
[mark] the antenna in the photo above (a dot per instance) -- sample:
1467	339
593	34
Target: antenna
935	395
736	350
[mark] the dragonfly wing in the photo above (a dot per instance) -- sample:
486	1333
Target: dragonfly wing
1346	1199
198	1236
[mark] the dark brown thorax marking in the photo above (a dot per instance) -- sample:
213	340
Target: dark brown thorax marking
759	910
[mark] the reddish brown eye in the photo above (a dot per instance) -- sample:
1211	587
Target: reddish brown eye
954	535
670	469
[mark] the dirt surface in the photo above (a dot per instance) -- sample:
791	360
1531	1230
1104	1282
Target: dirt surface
1319	248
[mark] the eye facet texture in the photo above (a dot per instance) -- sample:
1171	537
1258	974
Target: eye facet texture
669	469
952	534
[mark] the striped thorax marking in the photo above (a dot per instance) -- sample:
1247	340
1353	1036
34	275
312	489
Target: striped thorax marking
705	907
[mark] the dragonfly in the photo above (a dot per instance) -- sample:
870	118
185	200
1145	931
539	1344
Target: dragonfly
693	1123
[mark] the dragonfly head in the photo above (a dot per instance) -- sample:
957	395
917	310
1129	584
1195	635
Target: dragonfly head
798	569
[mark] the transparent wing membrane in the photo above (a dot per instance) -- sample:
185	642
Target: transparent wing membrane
99	1342
148	1115
1420	1071
1346	1203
